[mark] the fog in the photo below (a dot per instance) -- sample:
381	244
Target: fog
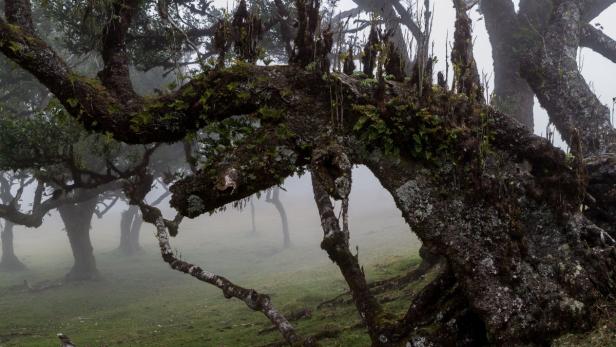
373	218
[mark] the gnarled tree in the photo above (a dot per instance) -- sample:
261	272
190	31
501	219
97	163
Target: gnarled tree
520	227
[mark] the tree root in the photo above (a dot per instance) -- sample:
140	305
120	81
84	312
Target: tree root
382	286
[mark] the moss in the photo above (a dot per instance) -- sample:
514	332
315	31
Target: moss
373	130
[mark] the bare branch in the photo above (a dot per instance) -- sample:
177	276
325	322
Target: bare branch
252	299
593	8
35	217
336	239
598	41
107	207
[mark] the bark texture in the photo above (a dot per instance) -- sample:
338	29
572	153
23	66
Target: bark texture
512	94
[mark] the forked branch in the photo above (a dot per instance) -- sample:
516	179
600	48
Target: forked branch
252	299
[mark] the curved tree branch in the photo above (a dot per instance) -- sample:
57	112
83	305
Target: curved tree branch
593	8
252	299
550	66
599	42
34	218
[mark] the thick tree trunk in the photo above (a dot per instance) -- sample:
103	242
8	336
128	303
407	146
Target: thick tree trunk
512	94
130	228
549	65
136	232
501	250
77	219
9	261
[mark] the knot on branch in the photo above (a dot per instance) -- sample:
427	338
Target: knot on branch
229	179
332	168
256	301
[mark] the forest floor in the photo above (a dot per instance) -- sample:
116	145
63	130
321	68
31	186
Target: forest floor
140	301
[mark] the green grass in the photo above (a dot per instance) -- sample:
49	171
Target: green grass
144	306
140	301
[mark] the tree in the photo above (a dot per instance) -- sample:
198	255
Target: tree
77	219
535	53
72	171
507	213
9	261
273	197
130	225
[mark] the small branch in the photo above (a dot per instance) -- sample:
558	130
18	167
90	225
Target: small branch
252	299
100	214
163	12
593	8
425	300
35	217
65	340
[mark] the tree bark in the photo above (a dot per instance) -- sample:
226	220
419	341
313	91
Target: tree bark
549	64
512	94
77	219
501	253
130	227
9	261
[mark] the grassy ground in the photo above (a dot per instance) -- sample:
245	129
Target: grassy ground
148	308
141	302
